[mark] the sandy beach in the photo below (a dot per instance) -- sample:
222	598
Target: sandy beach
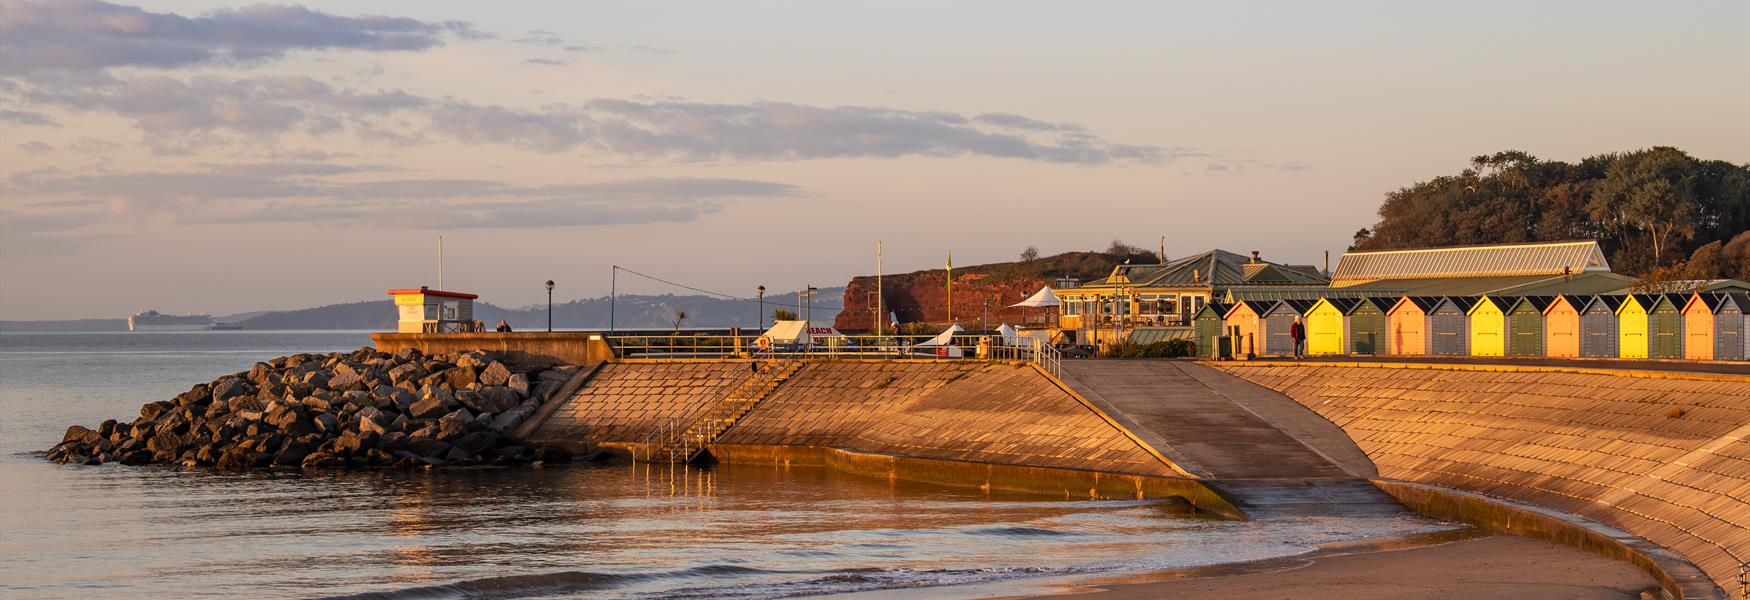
1495	567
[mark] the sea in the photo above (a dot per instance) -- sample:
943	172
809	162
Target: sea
589	531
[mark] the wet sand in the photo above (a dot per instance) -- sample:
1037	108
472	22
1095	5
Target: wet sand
1493	567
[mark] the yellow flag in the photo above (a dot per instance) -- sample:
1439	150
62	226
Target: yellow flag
950	287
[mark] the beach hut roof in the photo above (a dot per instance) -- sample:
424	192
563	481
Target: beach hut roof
1740	299
1712	302
1538	303
1500	304
1494	260
1464	303
1219	309
1613	302
1299	306
1343	305
1425	303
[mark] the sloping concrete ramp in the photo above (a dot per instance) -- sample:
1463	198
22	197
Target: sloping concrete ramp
1267	453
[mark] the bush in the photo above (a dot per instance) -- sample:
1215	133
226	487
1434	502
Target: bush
1166	349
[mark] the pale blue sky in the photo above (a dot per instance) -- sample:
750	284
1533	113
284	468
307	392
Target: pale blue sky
736	145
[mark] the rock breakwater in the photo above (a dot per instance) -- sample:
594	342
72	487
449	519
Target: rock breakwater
359	409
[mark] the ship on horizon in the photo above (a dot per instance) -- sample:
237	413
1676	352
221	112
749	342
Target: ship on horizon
151	320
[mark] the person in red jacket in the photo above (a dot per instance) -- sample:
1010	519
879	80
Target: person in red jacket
1298	332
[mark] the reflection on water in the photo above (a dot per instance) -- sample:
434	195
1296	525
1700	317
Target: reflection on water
630	531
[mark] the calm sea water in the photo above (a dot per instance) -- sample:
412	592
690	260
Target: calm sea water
593	531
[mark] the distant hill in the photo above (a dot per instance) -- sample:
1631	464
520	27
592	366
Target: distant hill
57	326
921	296
631	312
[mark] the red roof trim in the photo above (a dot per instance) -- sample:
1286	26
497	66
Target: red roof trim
433	293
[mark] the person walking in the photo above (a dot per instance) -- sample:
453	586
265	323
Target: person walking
1298	332
504	326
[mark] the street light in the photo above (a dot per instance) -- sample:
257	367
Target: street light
549	306
808	317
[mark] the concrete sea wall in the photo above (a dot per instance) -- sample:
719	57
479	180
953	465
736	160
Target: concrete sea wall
576	348
999	426
1662	455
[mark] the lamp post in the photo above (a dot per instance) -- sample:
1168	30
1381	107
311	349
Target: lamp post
762	293
808	317
549	306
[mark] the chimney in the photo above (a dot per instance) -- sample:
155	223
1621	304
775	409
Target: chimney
1327	263
1254	256
1196	277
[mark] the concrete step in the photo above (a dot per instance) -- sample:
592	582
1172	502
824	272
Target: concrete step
1275	498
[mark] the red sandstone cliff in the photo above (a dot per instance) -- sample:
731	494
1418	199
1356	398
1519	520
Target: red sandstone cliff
921	296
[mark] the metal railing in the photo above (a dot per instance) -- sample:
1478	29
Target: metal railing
676	439
888	347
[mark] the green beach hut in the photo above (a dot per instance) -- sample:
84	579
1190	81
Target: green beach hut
1525	332
1206	325
1664	325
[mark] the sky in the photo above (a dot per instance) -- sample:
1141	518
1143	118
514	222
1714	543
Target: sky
205	157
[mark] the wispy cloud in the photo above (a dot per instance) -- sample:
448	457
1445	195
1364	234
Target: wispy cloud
25	117
92	35
341	195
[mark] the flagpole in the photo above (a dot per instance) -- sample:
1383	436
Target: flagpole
950	288
880	315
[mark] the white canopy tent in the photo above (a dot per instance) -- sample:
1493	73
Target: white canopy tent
943	339
1010	336
796	332
1043	298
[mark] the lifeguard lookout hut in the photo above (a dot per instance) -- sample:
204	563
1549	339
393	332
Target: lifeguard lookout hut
432	311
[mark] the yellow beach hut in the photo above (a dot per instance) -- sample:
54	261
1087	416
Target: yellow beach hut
1324	325
1488	327
1242	324
1561	329
1631	328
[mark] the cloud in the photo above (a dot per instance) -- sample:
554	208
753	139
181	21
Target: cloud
182	115
92	35
551	62
25	117
36	147
332	194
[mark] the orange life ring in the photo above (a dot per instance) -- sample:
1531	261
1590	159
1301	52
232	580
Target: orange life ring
764	342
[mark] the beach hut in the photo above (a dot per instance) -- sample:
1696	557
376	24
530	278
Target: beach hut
1631	327
1367	325
1664	325
1525	325
1408	324
1242	323
1275	323
1206	325
1698	325
1326	325
1738	350
1488	327
1561	328
1448	327
1599	337
1713	327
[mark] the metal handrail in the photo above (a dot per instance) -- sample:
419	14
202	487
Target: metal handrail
673	432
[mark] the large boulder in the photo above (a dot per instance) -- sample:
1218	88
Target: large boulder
490	399
495	374
460	377
518	383
454	424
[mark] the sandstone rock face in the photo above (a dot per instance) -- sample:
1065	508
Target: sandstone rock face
340	410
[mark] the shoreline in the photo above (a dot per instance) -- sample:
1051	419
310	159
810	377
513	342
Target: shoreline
1472	562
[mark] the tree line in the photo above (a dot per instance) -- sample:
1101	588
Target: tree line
1658	213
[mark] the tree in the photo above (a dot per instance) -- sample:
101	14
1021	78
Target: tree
1136	254
1030	254
1647	208
679	315
780	314
1650	194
